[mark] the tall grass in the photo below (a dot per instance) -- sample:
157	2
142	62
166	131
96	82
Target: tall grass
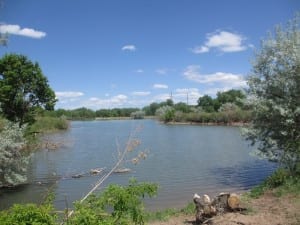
46	124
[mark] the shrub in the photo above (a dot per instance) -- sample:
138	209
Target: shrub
28	214
278	178
116	205
13	157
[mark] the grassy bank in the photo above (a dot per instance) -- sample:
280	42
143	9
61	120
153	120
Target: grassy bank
277	198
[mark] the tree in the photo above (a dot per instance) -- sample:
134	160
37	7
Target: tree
231	96
23	89
274	95
206	103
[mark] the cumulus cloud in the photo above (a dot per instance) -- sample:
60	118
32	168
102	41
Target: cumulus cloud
141	93
225	79
161	97
130	48
160	86
223	41
187	95
68	94
17	30
114	101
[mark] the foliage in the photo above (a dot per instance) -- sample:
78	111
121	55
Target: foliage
274	96
280	182
206	103
209	104
13	157
23	89
165	113
138	114
30	214
116	205
46	124
278	178
231	96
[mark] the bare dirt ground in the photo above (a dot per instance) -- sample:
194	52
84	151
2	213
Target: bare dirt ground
266	210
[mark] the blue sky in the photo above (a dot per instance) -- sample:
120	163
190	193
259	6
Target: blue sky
129	53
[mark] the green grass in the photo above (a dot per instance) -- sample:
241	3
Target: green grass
280	182
165	214
48	124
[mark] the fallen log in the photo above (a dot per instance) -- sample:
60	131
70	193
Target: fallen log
207	208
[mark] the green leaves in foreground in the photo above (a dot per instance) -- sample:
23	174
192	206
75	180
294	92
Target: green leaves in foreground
116	205
28	214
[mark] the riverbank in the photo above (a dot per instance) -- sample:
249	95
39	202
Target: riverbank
267	209
264	204
234	124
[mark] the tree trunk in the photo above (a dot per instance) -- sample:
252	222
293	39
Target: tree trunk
205	208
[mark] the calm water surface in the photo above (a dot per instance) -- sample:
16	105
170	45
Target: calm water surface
182	159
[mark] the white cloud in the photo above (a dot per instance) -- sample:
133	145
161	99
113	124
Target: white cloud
68	94
223	41
114	101
130	48
162	71
161	97
187	95
160	86
225	79
139	71
141	93
17	30
200	49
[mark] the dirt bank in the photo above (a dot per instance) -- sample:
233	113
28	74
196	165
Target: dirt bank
266	210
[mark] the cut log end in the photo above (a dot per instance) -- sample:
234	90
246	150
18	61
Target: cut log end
233	201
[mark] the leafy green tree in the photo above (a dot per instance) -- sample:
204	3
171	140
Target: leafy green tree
183	107
274	95
231	96
151	109
206	103
23	89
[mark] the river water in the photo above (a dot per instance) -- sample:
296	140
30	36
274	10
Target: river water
182	159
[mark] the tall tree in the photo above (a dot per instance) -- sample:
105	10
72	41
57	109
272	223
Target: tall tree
206	103
274	89
23	89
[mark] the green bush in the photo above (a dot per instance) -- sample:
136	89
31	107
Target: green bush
116	205
13	157
278	178
29	214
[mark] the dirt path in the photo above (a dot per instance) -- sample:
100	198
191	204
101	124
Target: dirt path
267	210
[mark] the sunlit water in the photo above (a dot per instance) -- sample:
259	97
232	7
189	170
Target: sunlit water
182	159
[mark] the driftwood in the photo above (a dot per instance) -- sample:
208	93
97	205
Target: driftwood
207	208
